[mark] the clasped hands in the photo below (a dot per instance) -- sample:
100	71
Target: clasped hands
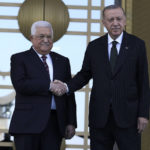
58	88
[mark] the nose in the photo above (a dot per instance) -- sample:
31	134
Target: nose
115	22
45	39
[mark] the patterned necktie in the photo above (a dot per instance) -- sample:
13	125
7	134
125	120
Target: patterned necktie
113	55
44	62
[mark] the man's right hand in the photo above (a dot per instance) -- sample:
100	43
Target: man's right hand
58	88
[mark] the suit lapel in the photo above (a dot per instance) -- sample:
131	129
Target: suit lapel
122	54
55	64
106	58
35	60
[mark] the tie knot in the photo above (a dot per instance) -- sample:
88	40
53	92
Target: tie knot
114	43
44	57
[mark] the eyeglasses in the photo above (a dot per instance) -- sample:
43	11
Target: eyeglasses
42	36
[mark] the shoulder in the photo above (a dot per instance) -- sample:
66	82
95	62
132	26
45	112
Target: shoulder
134	38
21	54
136	43
58	56
97	44
99	40
60	59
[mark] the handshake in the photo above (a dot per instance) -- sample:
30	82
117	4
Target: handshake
58	88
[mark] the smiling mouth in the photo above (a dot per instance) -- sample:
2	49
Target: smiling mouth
45	44
115	28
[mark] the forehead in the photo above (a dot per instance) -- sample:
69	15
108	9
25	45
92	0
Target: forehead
43	30
117	12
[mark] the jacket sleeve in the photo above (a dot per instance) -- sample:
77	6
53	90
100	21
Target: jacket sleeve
143	81
22	82
84	75
71	104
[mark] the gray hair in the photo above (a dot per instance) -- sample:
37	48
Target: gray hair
112	7
41	24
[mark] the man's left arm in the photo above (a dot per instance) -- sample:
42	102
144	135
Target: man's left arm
71	107
144	93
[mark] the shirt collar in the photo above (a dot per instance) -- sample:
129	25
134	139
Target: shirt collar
119	39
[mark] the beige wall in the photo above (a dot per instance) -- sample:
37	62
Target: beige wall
141	28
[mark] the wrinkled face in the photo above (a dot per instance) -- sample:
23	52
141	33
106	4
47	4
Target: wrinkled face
42	40
114	20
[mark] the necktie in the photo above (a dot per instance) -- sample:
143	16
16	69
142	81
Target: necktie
53	105
45	64
113	55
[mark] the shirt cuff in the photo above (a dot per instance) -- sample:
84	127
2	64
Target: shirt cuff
67	89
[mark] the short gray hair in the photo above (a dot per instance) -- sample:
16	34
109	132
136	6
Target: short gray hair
40	24
112	7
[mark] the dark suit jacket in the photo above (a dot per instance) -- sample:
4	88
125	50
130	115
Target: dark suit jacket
127	89
33	98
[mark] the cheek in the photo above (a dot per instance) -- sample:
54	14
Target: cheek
39	44
108	27
36	44
123	24
50	44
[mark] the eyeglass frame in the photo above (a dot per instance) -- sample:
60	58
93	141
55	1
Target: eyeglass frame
42	36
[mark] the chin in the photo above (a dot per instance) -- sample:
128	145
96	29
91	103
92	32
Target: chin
116	34
45	48
46	51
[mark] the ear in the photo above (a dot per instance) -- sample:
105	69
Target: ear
103	21
125	21
31	38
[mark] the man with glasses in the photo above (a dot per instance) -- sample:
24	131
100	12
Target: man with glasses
40	119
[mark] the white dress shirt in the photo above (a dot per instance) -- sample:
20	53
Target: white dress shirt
50	67
118	40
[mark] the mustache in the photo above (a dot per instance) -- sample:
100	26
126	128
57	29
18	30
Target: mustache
115	28
45	43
